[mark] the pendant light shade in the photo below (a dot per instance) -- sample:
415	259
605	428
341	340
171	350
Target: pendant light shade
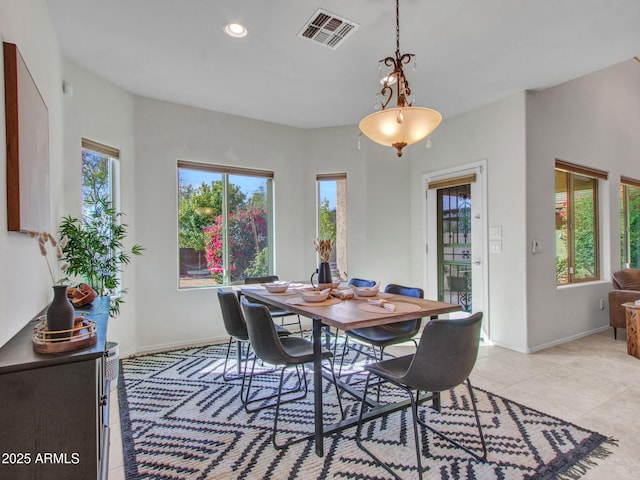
399	127
403	124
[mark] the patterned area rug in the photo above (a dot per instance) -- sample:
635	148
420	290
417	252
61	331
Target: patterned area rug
181	420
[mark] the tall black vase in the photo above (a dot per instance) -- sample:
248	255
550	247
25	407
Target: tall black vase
60	312
324	275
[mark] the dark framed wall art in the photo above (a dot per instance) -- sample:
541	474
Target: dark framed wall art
27	128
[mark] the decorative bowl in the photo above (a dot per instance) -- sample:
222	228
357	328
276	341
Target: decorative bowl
309	295
276	287
366	291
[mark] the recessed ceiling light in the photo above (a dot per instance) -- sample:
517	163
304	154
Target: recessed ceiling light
236	30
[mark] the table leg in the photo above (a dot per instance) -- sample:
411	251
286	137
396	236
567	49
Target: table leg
317	386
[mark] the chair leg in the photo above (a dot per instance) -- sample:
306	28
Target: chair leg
277	405
414	416
483	457
335	384
279	401
344	351
226	360
227	377
246	402
363	406
475	412
615	333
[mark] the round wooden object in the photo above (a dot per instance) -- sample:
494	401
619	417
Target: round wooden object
82	335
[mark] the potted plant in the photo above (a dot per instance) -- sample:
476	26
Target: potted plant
95	252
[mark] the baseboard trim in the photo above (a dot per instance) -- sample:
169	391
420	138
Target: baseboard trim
568	339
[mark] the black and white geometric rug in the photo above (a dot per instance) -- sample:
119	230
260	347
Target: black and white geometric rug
181	420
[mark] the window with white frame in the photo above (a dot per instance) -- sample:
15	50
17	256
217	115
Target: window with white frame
225	224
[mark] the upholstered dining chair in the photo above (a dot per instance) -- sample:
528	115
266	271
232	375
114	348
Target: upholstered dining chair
444	358
360	282
282	352
236	327
275	311
385	335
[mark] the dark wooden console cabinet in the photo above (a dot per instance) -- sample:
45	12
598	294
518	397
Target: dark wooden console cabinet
54	409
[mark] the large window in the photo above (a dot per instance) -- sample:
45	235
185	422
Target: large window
629	223
224	224
99	171
576	214
332	218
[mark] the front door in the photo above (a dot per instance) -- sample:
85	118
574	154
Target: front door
455	266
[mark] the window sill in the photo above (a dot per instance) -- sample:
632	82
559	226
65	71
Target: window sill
593	283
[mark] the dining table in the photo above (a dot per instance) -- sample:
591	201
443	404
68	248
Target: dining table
346	314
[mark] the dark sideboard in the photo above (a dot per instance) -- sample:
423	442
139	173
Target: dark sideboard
54	408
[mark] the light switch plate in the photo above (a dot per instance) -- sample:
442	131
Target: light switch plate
496	246
495	233
536	246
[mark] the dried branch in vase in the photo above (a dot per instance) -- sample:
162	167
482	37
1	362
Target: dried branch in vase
324	248
53	265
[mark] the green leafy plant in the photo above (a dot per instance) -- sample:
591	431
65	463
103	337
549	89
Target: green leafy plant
94	250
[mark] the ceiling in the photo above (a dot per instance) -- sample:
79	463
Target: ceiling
469	53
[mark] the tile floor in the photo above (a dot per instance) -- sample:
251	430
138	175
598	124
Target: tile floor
591	382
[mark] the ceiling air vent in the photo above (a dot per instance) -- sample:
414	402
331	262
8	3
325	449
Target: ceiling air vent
328	29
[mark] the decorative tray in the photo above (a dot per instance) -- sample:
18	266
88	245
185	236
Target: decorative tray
82	335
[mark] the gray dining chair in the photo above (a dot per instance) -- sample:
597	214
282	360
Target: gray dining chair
445	356
383	336
276	312
282	352
236	327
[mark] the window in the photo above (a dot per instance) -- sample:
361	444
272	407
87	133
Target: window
629	223
225	224
576	214
332	217
99	169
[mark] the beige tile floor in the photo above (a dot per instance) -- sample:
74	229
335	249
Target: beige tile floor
591	382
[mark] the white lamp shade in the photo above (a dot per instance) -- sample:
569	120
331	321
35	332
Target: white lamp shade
382	127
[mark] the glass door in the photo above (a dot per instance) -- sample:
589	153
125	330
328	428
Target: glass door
454	245
455	267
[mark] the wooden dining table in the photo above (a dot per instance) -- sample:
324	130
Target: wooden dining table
346	315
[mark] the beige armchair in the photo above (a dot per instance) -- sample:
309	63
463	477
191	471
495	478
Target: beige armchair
626	288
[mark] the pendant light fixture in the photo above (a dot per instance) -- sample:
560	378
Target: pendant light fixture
405	124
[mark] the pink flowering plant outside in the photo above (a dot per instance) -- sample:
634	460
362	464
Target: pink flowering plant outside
248	244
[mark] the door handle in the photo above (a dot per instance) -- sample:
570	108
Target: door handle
476	262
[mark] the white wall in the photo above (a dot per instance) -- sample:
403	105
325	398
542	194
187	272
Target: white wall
26	285
495	133
592	121
102	112
166	133
378	201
